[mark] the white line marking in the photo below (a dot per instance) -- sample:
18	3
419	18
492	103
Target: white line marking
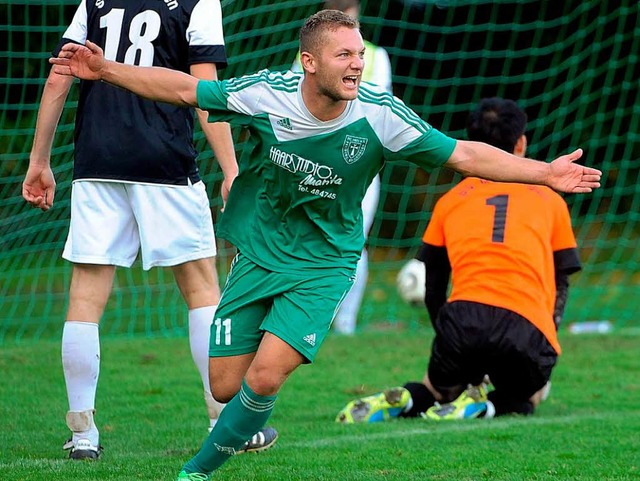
443	427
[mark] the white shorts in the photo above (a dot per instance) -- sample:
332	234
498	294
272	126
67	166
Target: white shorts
111	221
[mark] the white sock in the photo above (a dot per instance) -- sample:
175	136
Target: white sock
81	366
200	321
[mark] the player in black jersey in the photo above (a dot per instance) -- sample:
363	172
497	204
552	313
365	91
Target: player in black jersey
136	184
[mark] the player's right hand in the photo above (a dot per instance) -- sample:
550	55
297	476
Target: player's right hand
84	62
39	187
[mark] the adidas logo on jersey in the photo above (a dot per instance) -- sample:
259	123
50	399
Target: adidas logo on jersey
310	338
286	123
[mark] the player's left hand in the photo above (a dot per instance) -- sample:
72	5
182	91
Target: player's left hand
567	176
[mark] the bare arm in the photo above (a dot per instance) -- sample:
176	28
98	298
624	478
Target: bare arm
482	160
153	83
39	185
218	134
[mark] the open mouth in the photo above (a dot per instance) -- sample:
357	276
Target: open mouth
350	80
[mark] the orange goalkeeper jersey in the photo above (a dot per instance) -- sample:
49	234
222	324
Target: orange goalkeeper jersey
500	239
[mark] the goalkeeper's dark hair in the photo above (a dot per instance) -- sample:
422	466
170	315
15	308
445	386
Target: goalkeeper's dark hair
498	122
317	25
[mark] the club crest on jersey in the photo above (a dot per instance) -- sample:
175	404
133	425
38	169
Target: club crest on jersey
353	148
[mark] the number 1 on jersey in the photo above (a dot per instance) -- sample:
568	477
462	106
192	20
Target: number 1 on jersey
500	203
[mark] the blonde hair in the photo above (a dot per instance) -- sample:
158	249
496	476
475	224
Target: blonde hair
314	29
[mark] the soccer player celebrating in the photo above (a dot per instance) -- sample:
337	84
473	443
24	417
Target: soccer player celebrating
294	210
511	250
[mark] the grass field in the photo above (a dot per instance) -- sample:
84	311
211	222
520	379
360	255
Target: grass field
152	417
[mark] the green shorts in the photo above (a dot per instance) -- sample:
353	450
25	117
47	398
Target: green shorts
297	309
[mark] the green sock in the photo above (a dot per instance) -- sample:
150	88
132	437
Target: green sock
241	418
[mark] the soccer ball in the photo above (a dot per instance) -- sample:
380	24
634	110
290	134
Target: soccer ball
411	282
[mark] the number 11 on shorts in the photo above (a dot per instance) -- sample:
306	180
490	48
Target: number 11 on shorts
220	326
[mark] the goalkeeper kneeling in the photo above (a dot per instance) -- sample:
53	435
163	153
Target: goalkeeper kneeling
510	248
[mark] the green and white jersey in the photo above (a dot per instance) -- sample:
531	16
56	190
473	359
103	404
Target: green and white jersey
296	203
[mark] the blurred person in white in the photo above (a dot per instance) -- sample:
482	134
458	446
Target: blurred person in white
378	72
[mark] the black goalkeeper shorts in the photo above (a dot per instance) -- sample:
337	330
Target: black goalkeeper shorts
474	339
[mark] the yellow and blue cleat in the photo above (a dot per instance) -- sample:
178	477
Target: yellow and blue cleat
472	403
375	408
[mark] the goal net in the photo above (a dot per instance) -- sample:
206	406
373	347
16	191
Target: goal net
571	65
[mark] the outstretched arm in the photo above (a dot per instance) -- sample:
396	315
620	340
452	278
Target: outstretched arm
154	83
482	160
